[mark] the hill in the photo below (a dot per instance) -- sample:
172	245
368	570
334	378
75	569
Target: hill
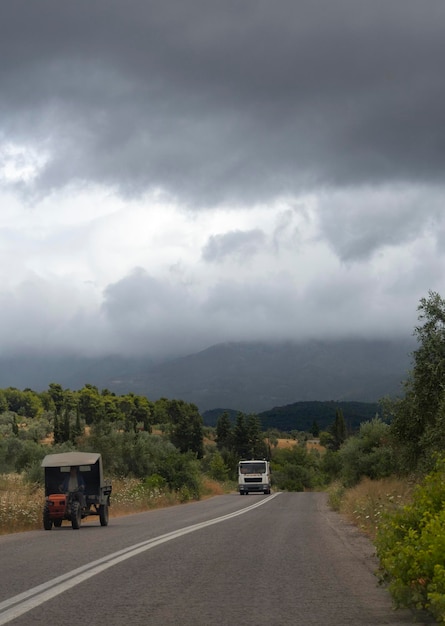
302	415
250	377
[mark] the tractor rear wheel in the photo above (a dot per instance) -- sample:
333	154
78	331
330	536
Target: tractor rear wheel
76	515
103	514
47	521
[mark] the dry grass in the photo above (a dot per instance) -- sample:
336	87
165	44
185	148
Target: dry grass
286	443
21	504
311	444
365	503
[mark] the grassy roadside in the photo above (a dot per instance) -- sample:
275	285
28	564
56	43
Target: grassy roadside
21	504
365	504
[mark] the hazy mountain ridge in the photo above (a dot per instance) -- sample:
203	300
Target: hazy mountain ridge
250	377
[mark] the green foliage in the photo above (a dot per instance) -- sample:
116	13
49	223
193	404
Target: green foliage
218	470
367	454
296	469
335	495
36	429
8	424
26	403
150	488
90	404
330	465
3	402
411	547
338	430
224	433
55	392
315	429
183	474
247	440
16	455
302	415
417	425
186	427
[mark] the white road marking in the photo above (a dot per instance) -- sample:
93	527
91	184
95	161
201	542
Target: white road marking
28	600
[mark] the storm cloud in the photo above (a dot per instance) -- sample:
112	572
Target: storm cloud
174	174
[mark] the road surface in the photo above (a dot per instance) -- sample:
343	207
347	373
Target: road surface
277	560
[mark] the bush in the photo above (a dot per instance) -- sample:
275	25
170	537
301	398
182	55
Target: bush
411	547
182	473
218	470
367	454
296	469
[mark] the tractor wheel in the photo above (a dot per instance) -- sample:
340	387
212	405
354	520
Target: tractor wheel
58	523
47	521
103	514
76	515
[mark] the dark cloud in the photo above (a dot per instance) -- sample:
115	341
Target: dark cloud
359	224
310	130
236	101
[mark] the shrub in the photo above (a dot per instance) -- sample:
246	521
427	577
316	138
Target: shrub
296	469
218	470
411	547
367	454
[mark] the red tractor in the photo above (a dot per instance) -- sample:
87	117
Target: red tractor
74	489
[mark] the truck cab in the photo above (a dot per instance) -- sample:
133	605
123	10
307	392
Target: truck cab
254	476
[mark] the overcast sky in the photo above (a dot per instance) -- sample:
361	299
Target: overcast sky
175	174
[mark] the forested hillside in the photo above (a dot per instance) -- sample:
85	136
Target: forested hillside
301	416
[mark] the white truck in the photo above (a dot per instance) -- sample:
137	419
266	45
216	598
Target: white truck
253	475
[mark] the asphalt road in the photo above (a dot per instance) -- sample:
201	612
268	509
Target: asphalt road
277	560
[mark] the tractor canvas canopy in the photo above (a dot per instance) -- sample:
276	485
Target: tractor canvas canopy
70	458
57	466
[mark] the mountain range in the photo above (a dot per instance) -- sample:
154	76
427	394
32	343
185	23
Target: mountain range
248	377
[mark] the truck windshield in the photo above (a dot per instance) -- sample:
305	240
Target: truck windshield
252	468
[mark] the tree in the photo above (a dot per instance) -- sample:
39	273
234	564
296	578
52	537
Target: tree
143	410
186	427
257	446
224	433
90	404
126	408
338	430
295	468
218	469
77	430
417	422
315	429
241	444
69	404
367	454
3	402
57	396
